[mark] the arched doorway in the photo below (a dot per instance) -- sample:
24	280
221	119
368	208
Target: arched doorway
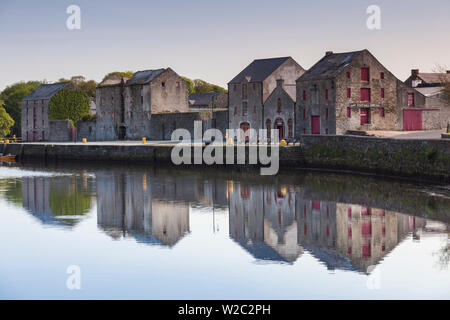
279	124
244	134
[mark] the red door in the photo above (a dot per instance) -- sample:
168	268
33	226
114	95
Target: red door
315	124
412	119
365	115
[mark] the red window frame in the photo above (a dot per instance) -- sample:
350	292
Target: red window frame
304	94
304	114
347	74
382	93
382	75
349	112
382	112
365	74
349	93
326	113
326	94
365	94
326	131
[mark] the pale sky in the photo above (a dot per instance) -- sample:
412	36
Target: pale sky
212	40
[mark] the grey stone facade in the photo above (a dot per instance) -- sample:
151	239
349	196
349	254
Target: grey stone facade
250	89
279	112
333	93
125	107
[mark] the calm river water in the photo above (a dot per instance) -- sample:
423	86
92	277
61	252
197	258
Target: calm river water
171	233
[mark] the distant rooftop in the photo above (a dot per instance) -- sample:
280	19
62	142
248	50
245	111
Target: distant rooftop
144	77
202	99
329	66
46	91
259	70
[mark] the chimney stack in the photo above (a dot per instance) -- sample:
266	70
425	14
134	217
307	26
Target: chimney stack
328	53
280	83
414	74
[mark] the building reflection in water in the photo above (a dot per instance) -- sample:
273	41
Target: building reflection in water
276	223
56	200
132	205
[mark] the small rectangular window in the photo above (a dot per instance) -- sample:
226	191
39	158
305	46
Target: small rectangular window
349	112
382	112
244	109
349	93
347	74
326	113
381	75
326	94
304	114
304	95
410	99
382	92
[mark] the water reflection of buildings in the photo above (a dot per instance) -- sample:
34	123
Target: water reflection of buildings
150	211
276	223
56	200
262	220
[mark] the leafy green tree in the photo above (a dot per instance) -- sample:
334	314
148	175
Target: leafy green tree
6	122
69	105
12	101
201	86
190	85
78	83
126	74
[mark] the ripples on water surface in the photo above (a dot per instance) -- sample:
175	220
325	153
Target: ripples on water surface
161	233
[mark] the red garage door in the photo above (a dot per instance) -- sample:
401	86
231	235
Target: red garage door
412	119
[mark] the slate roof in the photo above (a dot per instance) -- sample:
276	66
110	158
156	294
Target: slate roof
429	91
434	77
329	66
202	99
259	70
46	91
144	77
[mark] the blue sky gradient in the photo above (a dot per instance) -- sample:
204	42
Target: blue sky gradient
212	40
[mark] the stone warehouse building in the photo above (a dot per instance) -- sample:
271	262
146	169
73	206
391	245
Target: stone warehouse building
36	125
354	91
252	100
125	106
151	104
